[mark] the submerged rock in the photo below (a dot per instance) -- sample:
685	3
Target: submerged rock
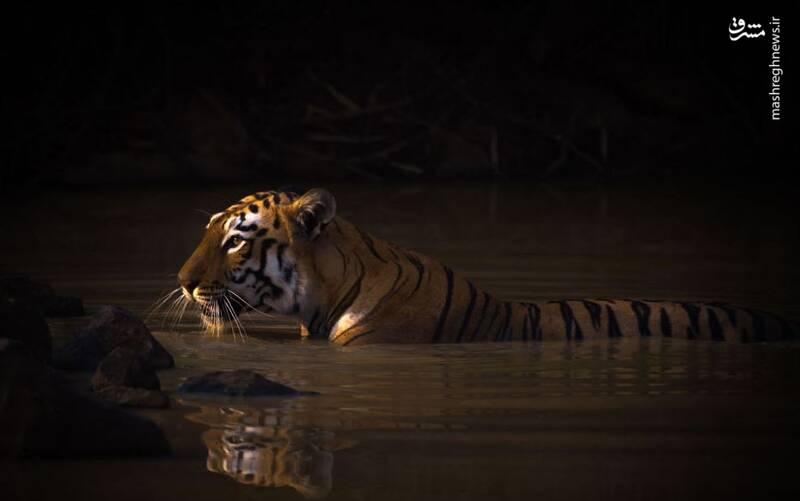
239	383
25	323
124	367
23	290
112	327
41	415
133	397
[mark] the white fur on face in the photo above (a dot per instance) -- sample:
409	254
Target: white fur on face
271	284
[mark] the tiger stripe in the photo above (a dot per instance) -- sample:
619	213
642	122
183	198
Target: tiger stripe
467	314
446	308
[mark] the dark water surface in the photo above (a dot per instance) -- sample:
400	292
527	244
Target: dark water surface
622	419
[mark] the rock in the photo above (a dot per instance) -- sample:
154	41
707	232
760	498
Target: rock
83	353
23	321
39	295
110	328
124	367
240	383
42	415
133	397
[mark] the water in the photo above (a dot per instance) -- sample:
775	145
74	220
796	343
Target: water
621	419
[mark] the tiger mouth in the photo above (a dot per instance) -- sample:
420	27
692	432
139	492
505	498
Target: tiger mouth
211	322
209	294
217	309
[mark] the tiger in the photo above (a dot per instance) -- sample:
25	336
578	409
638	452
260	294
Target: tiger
290	254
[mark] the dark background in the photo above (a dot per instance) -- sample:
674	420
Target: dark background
185	92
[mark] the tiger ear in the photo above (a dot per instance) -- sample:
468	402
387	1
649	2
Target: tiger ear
313	210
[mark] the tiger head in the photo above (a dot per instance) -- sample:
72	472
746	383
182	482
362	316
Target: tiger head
255	254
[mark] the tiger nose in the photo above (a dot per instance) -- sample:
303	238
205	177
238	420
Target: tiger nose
188	285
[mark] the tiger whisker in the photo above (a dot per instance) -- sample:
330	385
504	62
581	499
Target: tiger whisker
225	312
242	329
211	326
159	303
163	299
217	320
171	311
236	325
220	318
244	308
183	310
205	311
248	305
235	320
240	319
172	307
178	313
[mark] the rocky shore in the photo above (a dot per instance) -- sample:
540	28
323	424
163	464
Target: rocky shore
79	399
42	412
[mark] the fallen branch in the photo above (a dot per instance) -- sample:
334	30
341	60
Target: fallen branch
339	96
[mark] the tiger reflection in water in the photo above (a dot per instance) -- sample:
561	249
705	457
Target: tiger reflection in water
261	447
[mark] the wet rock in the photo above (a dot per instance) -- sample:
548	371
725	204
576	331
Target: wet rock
22	289
43	415
133	397
124	367
240	383
110	328
82	353
24	322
